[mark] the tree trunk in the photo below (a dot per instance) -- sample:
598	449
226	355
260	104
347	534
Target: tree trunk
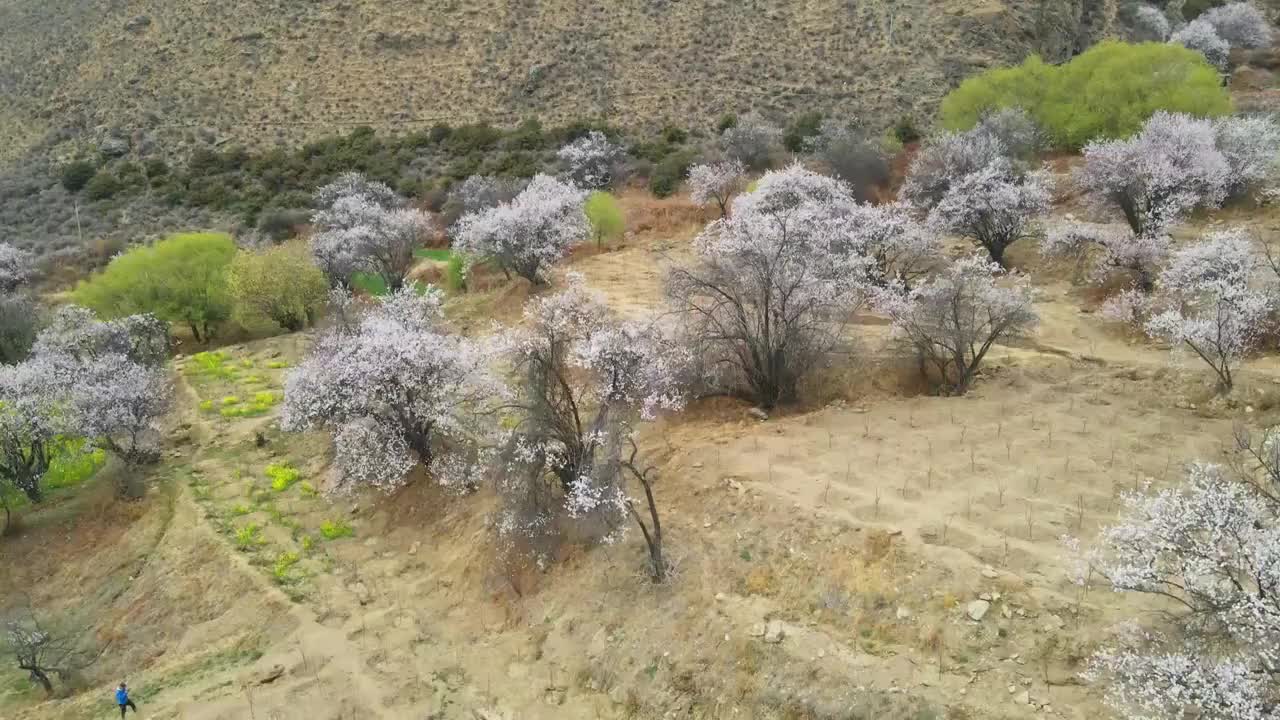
39	676
195	331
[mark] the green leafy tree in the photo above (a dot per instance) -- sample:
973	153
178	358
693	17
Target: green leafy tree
76	174
605	217
182	279
279	284
1108	91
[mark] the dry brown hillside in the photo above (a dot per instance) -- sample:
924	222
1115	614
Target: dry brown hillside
266	70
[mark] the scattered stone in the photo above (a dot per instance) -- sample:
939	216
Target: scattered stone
977	610
903	613
138	23
758	413
989	574
1023	698
488	715
617	695
985	596
413	549
773	632
554	696
268	676
361	592
756	630
114	147
1005	612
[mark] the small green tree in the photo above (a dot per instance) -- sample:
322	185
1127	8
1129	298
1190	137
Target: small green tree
182	279
279	284
76	174
605	217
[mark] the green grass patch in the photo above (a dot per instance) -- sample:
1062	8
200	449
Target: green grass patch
206	406
282	476
230	400
284	562
369	283
437	254
277	364
249	536
72	462
335	529
212	364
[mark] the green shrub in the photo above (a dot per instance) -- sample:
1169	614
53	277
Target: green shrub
605	216
668	174
726	121
212	364
1108	91
71	462
76	174
905	131
282	476
181	279
277	364
102	186
800	130
334	529
279	285
281	225
230	400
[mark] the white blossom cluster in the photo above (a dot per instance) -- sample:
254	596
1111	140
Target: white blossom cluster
1120	250
1202	36
1240	24
716	182
364	226
17	267
902	248
1150	24
1251	147
1212	549
396	392
530	233
481	192
592	161
953	319
751	141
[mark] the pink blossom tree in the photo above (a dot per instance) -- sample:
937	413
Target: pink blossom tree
944	160
773	284
1248	143
1156	177
902	248
1215	310
396	392
951	321
1111	249
716	182
529	234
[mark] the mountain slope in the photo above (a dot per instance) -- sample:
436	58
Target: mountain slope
266	70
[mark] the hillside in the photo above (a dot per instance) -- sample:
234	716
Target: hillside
264	72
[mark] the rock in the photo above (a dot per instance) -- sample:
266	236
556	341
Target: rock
720	597
268	676
114	147
756	630
1023	698
140	22
1005	612
697	466
989	574
488	715
977	610
554	696
361	592
986	596
903	613
773	632
758	413
413	549
617	695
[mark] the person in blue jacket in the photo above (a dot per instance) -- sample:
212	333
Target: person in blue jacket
122	699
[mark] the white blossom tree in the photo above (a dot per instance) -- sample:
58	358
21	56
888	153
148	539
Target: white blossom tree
1149	24
354	184
1249	145
1240	24
952	320
1016	130
716	182
848	155
773	284
119	403
946	159
396	392
587	379
1156	177
902	248
369	232
74	333
751	141
17	268
1215	312
996	206
529	234
592	161
1209	550
33	415
478	193
1202	36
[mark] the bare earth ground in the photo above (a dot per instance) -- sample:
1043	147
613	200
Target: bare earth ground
861	526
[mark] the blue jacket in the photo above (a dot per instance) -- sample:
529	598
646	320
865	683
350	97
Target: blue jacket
122	696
